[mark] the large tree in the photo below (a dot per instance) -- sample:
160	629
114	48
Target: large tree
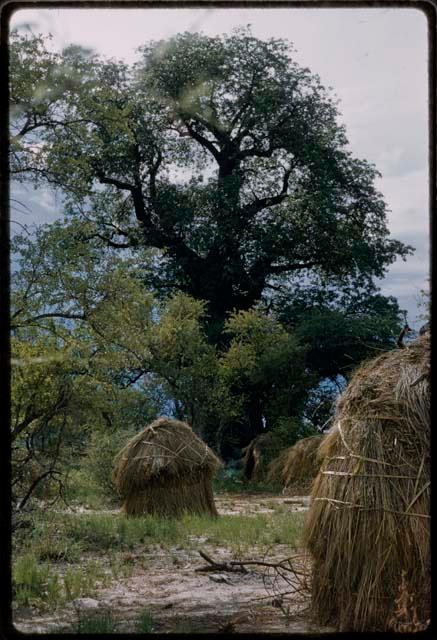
220	152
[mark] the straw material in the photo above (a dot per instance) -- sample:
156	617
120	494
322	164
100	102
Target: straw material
254	459
166	470
368	525
296	467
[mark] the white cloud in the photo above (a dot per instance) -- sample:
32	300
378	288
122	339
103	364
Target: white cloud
408	200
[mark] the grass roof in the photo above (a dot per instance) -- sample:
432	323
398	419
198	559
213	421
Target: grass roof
297	466
368	527
164	451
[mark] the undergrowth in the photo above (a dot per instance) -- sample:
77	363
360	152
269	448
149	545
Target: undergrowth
40	585
103	533
229	480
70	555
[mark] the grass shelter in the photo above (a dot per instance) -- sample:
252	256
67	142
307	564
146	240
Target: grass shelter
166	470
368	526
296	467
256	457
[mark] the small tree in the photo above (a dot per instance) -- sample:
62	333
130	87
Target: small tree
263	371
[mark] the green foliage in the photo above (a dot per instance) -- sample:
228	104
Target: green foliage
82	488
29	579
49	543
285	433
98	462
183	359
44	402
260	353
69	369
272	189
36	583
262	372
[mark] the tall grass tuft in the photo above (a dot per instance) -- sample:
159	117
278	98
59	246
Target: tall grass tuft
145	622
96	622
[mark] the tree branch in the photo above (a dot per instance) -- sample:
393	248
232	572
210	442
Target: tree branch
204	142
120	184
27	127
284	268
262	203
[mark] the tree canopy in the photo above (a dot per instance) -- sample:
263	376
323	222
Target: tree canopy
221	153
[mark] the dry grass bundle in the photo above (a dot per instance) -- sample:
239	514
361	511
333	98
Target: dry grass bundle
368	526
296	467
275	471
254	459
166	470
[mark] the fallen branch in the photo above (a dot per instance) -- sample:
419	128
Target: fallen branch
219	566
240	566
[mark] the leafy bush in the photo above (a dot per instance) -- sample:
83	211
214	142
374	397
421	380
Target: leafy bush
82	488
99	459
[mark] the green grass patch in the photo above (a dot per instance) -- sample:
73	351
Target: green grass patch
30	580
38	584
102	533
247	530
96	622
50	543
145	622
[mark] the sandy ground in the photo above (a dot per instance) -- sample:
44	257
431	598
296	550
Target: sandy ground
181	599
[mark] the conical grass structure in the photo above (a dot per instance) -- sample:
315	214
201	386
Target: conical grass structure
254	458
368	527
296	467
166	470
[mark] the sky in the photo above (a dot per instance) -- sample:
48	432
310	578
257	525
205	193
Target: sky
375	59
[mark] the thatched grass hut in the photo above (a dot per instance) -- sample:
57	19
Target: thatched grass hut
296	467
368	527
256	455
166	470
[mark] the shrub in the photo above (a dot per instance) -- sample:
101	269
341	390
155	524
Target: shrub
81	487
99	459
